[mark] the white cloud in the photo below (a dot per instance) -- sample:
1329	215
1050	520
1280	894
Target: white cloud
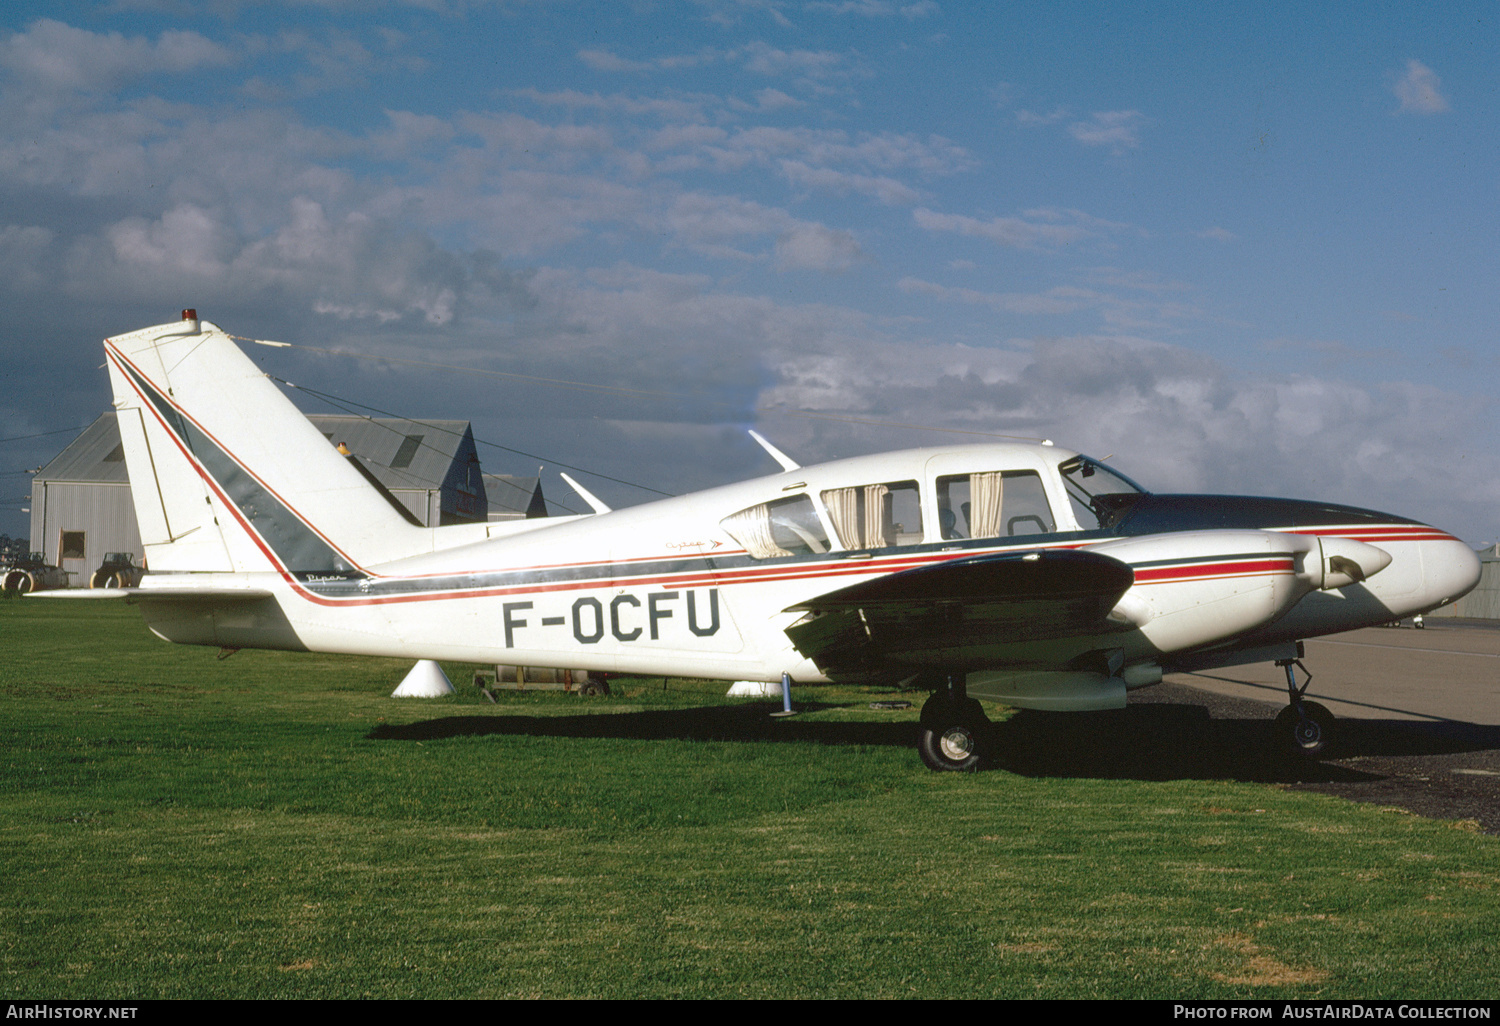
812	69
1419	90
53	56
187	241
1115	311
775	99
603	60
1060	300
729	227
1040	229
1177	420
876	8
1118	129
675	108
885	189
816	247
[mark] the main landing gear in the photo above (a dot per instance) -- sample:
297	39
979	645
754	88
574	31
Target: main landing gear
955	733
1303	728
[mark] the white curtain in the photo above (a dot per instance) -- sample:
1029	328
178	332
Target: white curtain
985	492
875	517
843	509
858	515
752	527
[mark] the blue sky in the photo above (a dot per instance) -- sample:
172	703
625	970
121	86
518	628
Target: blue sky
1242	247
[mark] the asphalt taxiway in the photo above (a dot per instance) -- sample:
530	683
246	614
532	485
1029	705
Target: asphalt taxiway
1419	714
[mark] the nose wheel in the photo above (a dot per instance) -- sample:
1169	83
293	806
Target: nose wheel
1303	728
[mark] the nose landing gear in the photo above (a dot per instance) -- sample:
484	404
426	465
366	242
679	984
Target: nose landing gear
1303	728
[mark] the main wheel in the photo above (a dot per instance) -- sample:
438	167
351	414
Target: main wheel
593	686
1308	735
955	734
958	748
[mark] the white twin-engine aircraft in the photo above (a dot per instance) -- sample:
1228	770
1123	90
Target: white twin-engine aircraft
1024	574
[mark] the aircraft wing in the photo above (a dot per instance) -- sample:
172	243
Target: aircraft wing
982	612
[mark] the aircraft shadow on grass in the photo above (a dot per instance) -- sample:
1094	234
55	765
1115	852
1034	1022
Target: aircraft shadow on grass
1162	740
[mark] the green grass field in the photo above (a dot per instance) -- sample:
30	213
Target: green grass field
275	826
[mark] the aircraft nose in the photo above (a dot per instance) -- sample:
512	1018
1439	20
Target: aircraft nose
1450	570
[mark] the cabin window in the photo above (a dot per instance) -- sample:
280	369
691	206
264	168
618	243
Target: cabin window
783	527
993	505
876	516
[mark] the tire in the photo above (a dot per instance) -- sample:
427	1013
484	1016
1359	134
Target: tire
958	748
955	736
1309	736
594	687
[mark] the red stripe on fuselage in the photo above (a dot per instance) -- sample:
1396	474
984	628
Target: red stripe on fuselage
1391	532
1212	571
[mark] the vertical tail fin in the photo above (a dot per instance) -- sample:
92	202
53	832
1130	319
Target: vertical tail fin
227	474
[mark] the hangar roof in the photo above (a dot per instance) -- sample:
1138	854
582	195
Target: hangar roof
400	453
95	456
510	495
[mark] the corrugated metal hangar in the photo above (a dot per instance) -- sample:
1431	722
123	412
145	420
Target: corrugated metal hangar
81	506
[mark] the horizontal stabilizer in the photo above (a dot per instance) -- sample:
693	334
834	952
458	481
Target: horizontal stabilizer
964	614
133	595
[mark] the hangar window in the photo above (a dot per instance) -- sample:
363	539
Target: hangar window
993	505
876	516
784	527
72	546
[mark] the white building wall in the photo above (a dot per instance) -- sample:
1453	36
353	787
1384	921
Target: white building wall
103	512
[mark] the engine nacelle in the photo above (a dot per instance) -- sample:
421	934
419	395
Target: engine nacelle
1201	587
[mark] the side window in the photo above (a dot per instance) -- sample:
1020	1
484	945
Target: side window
876	516
993	505
783	527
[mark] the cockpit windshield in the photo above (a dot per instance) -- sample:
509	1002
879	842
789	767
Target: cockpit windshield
1100	497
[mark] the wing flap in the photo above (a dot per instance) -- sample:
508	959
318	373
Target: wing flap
982	612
